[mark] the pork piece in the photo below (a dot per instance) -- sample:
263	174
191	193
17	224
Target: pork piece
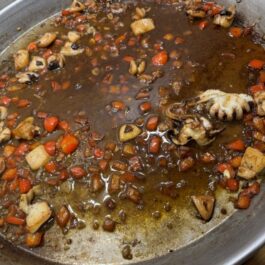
253	162
26	129
37	158
38	214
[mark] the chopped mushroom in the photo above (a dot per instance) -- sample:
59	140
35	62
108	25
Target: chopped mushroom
142	26
204	205
37	63
129	132
196	13
38	157
38	214
47	39
56	61
5	133
253	162
27	77
71	49
225	105
3	113
259	98
226	17
21	59
26	129
73	36
25	199
76	6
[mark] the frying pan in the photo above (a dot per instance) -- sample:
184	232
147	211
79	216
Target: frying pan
224	241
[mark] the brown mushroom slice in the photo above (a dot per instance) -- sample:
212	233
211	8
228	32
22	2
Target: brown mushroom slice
204	205
71	49
142	26
38	214
2	164
196	13
21	59
259	99
27	77
5	133
25	199
73	36
3	113
47	39
253	162
76	6
225	20
37	63
129	132
56	61
26	130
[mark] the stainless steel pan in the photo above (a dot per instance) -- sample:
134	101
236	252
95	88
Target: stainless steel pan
229	243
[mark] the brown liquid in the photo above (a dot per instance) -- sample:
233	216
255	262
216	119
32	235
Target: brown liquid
203	68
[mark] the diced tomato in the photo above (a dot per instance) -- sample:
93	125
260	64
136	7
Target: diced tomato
103	164
23	103
216	10
5	100
203	24
24	185
66	12
235	162
208	6
243	201
256	88
14	220
127	58
128	177
50	123
155	144
256	64
145	107
50	167
2	85
152	123
225	167
118	105
50	147
98	37
78	172
32	47
120	39
22	149
10	174
160	59
237	145
235	32
63	175
232	184
98	153
55	86
64	125
69	144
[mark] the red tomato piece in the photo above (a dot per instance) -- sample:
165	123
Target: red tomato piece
160	58
50	123
69	144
